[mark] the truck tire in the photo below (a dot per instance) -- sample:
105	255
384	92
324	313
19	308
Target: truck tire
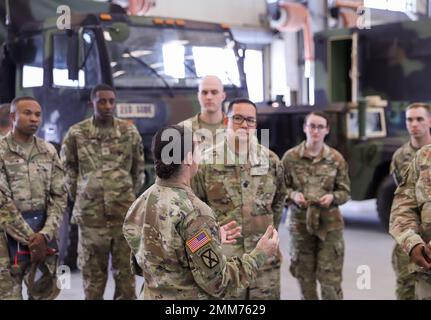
385	195
68	244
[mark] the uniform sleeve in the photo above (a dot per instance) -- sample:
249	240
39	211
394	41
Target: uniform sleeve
394	170
404	218
342	184
132	226
57	200
212	271
280	194
198	184
138	163
11	219
69	158
287	177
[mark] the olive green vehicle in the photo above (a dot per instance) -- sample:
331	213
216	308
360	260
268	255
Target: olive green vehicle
153	63
364	79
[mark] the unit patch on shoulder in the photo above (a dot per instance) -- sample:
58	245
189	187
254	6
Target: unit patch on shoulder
210	258
198	241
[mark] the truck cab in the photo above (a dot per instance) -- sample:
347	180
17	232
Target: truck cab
154	64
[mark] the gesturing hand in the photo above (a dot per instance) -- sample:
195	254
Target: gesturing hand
229	232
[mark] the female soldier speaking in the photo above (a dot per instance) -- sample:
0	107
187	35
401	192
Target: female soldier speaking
175	237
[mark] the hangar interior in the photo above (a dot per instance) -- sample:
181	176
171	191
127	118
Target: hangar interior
360	61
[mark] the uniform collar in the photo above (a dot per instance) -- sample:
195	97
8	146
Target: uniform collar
166	183
196	120
325	154
94	131
411	148
257	155
15	147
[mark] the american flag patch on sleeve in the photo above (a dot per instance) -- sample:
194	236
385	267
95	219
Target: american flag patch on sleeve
198	241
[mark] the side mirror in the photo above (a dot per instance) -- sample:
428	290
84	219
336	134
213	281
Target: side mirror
73	54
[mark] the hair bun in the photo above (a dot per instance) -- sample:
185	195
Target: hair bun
165	171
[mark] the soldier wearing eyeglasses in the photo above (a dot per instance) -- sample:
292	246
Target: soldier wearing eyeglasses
317	182
242	181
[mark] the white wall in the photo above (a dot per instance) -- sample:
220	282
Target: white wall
291	61
233	12
278	69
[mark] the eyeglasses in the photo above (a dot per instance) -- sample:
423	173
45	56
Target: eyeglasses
319	127
238	119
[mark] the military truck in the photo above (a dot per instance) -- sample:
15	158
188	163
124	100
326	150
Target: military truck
153	63
352	67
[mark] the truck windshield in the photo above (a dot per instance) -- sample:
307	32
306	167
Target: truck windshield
179	56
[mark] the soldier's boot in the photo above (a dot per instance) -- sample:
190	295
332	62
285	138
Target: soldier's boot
405	285
308	290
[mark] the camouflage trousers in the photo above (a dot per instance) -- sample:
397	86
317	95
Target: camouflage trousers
422	286
265	287
12	279
10	288
95	247
315	260
405	287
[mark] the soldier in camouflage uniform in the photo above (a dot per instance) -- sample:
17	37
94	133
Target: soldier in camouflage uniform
209	125
410	213
244	183
31	178
5	123
176	239
410	216
104	161
317	182
418	123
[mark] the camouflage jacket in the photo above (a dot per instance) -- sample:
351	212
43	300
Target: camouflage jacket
36	184
204	136
175	239
252	193
410	222
325	174
103	173
401	160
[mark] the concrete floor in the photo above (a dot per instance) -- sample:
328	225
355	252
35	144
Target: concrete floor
366	245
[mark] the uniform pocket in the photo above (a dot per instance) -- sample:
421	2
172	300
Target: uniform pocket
264	195
88	155
222	194
327	178
259	224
